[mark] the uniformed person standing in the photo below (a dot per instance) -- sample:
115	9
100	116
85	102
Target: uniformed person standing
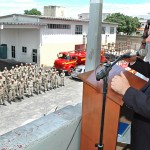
2	101
53	80
50	72
21	89
5	72
57	79
5	88
12	71
45	82
38	84
12	93
30	87
62	76
34	81
25	82
17	71
16	87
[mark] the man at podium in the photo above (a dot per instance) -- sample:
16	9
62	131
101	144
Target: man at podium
139	101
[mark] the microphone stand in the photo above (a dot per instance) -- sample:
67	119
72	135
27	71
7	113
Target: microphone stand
103	74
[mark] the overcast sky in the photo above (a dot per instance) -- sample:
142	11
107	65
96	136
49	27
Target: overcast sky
75	7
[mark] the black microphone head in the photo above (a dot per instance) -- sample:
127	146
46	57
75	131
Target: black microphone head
126	55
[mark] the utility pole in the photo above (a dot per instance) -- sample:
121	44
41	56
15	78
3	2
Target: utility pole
94	35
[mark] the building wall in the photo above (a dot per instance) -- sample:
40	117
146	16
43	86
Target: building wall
19	18
64	31
53	44
54	11
47	41
21	37
135	41
107	37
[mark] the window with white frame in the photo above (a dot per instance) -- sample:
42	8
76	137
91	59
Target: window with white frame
13	52
34	55
24	49
59	26
103	30
78	29
112	30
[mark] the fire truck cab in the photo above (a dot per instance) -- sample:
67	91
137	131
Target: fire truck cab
67	61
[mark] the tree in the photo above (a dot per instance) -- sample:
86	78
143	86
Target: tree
33	11
126	24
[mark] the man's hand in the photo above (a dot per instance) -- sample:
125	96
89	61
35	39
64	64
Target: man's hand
120	83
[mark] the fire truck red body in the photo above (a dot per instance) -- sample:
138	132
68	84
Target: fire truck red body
67	61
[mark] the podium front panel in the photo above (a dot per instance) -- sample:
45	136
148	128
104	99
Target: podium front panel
91	120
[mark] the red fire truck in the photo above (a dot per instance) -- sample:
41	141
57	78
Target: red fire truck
69	60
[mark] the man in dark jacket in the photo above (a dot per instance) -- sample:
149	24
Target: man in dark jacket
139	101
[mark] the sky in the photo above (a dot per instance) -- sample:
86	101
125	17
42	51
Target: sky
75	7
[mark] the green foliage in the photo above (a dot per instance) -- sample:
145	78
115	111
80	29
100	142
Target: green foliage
33	11
126	24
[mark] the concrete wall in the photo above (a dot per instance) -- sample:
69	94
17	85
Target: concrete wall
21	37
58	130
53	44
135	40
18	18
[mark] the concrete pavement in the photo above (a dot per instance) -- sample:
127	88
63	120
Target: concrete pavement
20	113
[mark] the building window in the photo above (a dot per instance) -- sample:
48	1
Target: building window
59	26
112	30
13	53
78	29
34	55
24	49
103	30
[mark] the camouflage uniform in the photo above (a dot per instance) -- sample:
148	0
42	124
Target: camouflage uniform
50	72
16	87
45	82
30	87
57	79
62	76
5	72
21	89
12	93
34	81
2	95
53	80
16	72
12	71
25	83
38	84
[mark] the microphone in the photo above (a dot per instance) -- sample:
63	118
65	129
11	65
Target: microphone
141	52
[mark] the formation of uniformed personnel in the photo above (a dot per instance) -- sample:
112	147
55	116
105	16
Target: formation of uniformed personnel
26	80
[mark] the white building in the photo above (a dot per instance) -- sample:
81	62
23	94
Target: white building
141	29
38	39
54	11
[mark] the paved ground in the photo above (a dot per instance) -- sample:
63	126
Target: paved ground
19	113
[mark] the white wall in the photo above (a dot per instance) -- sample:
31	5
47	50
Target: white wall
21	37
55	131
65	31
107	37
48	42
19	18
53	44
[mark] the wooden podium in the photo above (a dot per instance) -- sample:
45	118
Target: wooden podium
92	109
